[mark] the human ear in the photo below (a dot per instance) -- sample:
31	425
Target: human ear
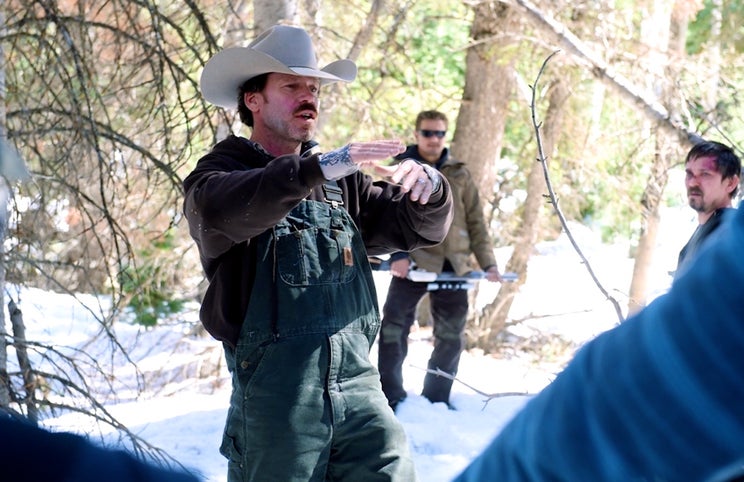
250	99
733	182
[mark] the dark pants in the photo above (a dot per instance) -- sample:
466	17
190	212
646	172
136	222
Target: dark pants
449	310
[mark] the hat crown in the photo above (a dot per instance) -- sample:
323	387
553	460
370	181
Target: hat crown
282	49
291	46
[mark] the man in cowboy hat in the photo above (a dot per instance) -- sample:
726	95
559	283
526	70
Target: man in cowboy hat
283	232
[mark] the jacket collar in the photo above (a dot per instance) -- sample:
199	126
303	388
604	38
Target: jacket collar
412	152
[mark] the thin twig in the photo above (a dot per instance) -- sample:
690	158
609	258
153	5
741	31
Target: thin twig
489	396
30	382
554	200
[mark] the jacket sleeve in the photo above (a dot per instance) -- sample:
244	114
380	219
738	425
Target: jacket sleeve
69	456
657	398
389	221
480	238
227	203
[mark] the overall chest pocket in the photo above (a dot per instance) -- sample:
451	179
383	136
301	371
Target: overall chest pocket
315	256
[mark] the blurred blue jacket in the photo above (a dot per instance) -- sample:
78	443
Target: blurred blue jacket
658	398
32	454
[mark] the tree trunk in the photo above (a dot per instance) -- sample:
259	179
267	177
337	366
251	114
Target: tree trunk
494	316
24	362
271	12
4	191
361	40
656	35
713	64
4	377
652	197
488	88
648	105
481	120
235	33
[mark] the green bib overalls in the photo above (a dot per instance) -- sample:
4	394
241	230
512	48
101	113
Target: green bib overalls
306	402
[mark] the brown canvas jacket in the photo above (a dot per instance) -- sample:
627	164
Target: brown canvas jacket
468	232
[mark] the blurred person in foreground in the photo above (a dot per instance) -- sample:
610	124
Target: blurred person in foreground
32	454
712	172
283	232
468	235
658	398
29	453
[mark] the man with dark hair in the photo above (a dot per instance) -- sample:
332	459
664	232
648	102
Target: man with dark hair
712	173
284	232
468	235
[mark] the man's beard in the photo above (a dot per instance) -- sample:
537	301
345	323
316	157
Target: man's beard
285	128
697	203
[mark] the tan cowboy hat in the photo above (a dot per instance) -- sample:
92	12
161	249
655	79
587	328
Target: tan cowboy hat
281	48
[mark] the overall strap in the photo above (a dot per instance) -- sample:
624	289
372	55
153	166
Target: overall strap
333	194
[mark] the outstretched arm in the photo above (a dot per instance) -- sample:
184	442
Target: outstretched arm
415	178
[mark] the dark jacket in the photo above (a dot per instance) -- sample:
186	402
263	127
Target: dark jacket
659	397
468	233
238	191
31	454
700	235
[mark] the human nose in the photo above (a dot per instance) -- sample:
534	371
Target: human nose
310	93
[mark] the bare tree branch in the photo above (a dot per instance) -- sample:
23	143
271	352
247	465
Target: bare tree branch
29	380
103	102
604	72
488	396
554	199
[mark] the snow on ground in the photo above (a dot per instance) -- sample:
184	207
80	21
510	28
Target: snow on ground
184	416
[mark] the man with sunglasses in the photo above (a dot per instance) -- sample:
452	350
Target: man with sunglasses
467	235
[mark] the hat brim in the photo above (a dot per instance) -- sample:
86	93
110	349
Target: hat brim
227	70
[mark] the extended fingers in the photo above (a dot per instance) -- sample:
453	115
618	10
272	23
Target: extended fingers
421	191
406	173
366	152
412	177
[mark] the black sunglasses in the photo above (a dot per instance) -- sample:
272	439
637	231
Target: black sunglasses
428	133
